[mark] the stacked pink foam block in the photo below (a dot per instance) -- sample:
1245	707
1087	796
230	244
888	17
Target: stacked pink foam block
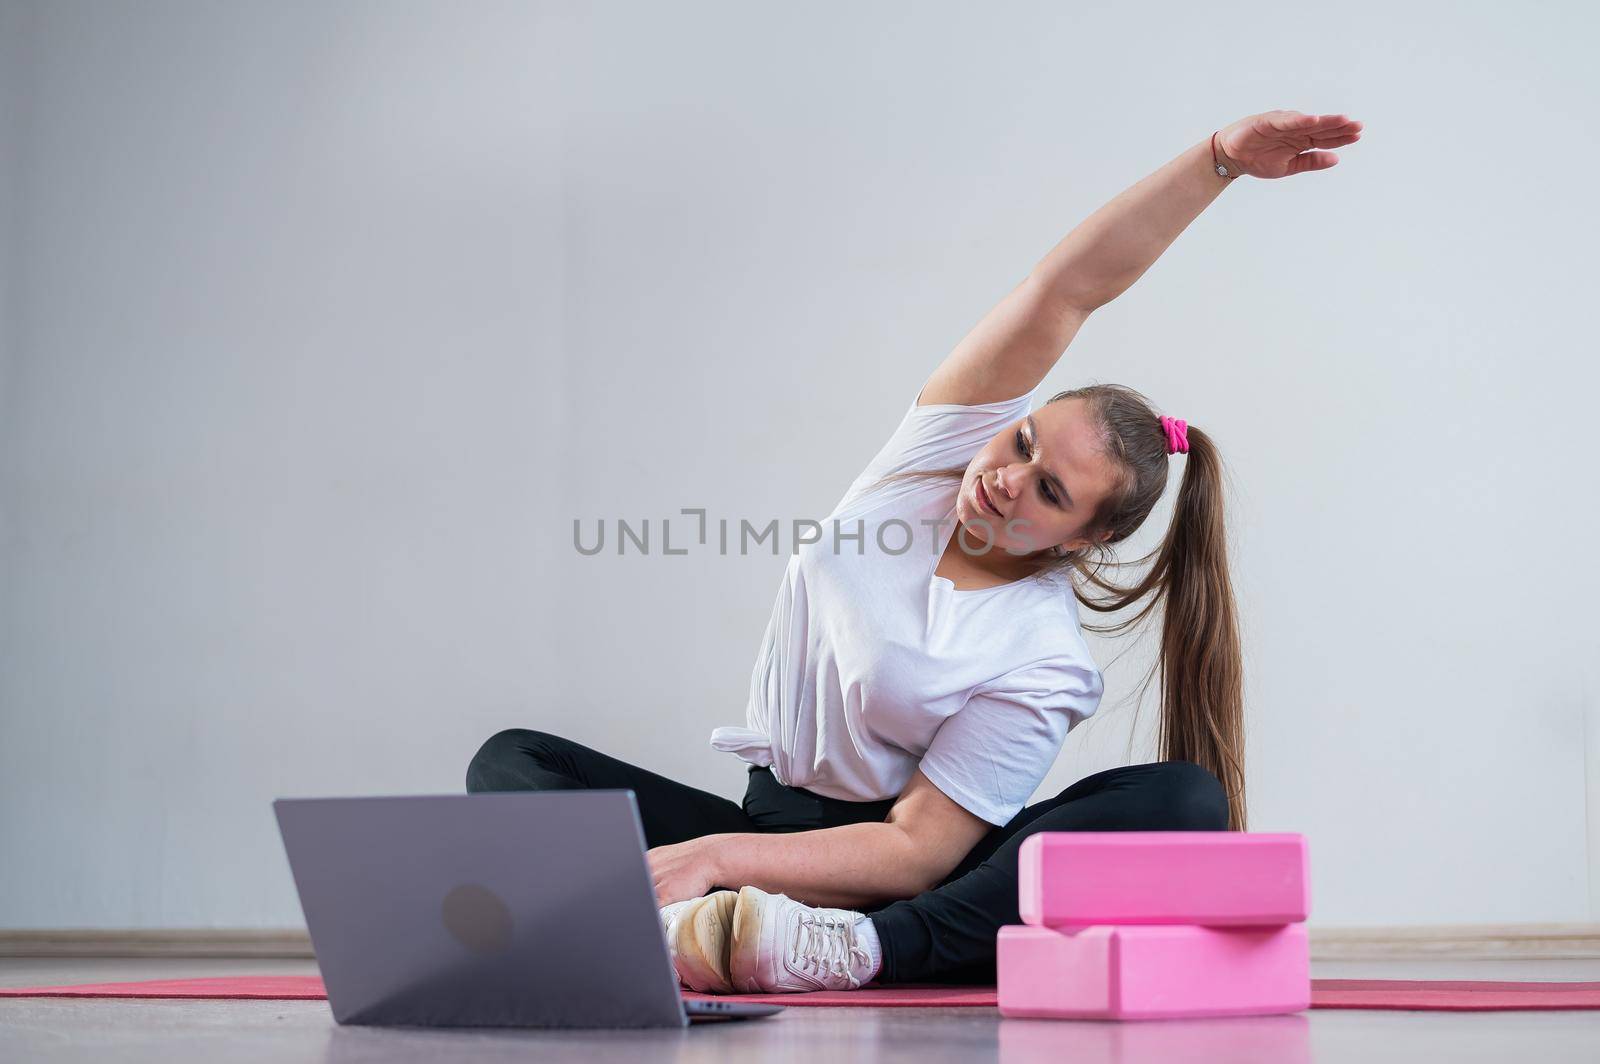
1158	924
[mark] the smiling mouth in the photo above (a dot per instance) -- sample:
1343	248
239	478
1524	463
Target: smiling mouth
984	502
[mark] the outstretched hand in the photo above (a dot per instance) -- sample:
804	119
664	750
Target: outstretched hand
1280	143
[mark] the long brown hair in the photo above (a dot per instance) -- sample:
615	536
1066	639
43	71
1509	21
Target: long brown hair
1201	664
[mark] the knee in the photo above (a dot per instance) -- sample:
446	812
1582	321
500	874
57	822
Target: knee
495	759
1191	798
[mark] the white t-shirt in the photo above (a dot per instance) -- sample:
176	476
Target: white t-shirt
872	666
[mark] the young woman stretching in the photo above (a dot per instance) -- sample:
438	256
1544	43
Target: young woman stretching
914	686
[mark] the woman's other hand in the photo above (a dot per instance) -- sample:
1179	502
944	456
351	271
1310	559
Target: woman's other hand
1280	143
684	870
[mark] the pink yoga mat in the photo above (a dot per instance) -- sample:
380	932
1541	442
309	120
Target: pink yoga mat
1427	995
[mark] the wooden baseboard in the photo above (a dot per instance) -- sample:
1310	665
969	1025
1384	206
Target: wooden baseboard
1462	942
179	942
1458	942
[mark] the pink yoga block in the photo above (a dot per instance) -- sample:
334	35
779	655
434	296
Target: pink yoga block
1153	972
1230	1039
1222	878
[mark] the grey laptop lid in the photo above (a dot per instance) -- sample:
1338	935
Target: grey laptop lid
517	909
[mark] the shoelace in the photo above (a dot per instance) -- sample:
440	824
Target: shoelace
824	943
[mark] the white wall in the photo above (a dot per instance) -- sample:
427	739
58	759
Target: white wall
326	321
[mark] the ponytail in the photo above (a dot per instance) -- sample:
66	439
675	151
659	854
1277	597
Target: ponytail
1202	673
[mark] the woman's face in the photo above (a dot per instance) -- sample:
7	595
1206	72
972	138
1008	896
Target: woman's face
1036	483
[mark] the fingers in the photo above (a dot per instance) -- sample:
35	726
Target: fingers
1344	134
1313	125
1290	121
1312	160
1338	140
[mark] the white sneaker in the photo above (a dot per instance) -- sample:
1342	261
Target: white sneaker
781	946
697	938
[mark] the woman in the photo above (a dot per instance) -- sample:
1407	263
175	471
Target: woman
921	670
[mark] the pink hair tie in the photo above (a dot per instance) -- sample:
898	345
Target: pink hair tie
1177	433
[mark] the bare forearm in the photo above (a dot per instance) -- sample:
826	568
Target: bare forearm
1114	246
850	866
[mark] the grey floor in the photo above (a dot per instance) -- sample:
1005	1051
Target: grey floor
42	1029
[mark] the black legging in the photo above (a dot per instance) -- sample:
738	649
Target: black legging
946	934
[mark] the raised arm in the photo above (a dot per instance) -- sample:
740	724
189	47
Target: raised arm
1009	352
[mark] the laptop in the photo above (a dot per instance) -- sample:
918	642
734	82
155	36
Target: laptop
521	909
